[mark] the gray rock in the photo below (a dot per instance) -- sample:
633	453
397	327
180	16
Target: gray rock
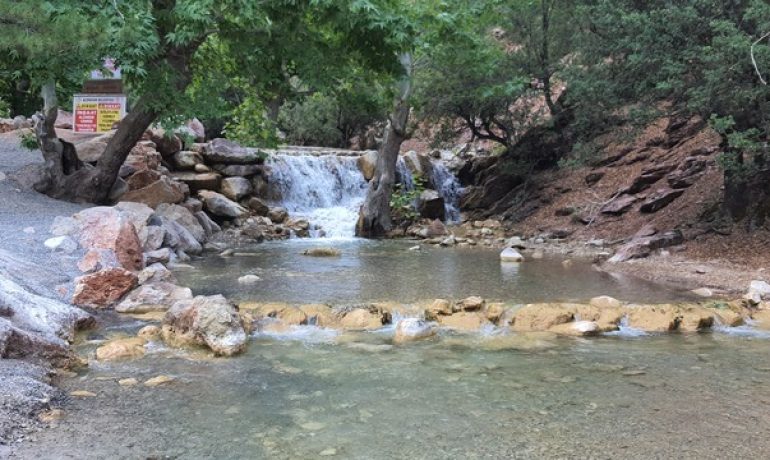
179	238
209	226
162	255
430	205
219	205
235	188
158	296
182	216
229	152
278	215
206	320
238	170
257	205
198	181
156	273
186	159
511	255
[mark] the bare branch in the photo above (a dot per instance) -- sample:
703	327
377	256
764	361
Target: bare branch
754	60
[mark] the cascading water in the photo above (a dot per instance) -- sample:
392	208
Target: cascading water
448	187
326	190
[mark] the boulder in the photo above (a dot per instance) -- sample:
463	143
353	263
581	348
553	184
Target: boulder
473	303
103	288
162	255
91	150
235	188
361	319
762	288
104	227
258	206
142	157
198	181
166	143
413	329
209	321
159	296
619	205
141	179
139	214
219	205
511	255
178	237
156	273
196	128
660	199
605	302
127	348
430	205
367	163
654	318
182	216
155	236
163	190
438	308
209	226
186	159
541	317
228	152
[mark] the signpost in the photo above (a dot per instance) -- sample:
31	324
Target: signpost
97	113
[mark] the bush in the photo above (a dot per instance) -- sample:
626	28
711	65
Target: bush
312	121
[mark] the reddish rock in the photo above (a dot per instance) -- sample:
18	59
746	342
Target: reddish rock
196	182
98	259
163	190
107	228
143	157
103	288
141	179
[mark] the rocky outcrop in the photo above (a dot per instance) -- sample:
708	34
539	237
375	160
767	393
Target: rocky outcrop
209	321
641	247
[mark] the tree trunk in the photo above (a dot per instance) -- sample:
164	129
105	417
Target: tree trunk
374	218
64	176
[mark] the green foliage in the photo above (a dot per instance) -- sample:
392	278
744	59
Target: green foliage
250	126
582	154
403	202
28	140
5	108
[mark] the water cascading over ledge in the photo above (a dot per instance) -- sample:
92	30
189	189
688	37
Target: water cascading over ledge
327	190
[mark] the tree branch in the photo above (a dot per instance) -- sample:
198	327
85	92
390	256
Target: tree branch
754	60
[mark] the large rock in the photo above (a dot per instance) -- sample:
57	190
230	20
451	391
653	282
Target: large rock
660	199
158	296
141	179
642	247
91	150
367	163
219	205
654	318
619	205
209	321
541	317
167	143
235	188
178	237
229	152
412	329
196	128
103	288
258	205
361	319
183	217
98	259
430	205
463	321
209	226
108	228
163	190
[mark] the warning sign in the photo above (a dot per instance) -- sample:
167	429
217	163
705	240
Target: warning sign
96	113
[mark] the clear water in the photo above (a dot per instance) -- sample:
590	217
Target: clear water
681	396
389	271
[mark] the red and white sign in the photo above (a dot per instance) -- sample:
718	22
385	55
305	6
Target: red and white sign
97	113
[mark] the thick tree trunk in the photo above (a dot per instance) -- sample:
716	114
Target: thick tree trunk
374	218
64	176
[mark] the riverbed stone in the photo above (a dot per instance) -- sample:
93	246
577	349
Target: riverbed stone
511	255
541	317
149	332
103	288
463	321
151	297
413	329
159	381
154	273
361	319
125	348
162	255
605	301
219	205
319	315
439	307
472	303
210	321
322	252
653	318
278	215
576	328
257	205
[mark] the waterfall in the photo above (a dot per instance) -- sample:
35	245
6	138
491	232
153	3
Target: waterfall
404	175
448	187
326	190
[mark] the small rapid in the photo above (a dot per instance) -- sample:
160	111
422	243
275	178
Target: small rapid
326	190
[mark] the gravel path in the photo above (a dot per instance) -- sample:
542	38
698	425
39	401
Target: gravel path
25	220
26	215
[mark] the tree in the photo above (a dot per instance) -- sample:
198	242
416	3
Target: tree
156	44
697	55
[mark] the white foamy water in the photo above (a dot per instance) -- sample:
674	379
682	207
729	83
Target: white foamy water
326	190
